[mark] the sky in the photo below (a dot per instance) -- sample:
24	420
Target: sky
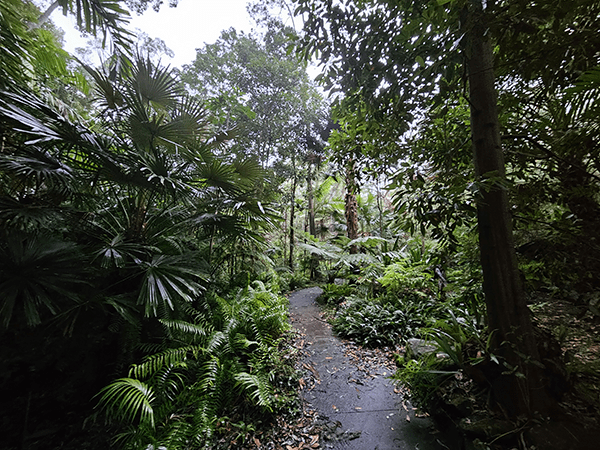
188	26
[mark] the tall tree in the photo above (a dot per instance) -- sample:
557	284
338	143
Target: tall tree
396	56
508	315
264	94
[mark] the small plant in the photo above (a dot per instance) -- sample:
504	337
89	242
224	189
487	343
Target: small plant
460	349
334	294
297	281
385	321
423	378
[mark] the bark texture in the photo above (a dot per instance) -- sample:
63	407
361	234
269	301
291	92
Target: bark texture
351	205
508	315
292	214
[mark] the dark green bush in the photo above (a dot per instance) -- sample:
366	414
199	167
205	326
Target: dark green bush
386	321
334	294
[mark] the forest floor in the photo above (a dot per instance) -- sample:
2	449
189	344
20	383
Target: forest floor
578	331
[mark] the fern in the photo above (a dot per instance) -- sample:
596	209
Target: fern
258	388
169	357
129	400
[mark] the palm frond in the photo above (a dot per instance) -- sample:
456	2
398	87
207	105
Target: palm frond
153	84
168	279
106	16
36	271
219	174
44	171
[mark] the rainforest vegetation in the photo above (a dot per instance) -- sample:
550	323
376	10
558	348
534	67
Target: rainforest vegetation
439	179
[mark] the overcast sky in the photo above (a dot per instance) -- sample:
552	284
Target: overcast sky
188	26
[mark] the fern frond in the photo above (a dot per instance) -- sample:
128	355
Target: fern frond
367	241
215	341
129	400
326	251
357	259
192	329
210	371
257	388
177	434
168	357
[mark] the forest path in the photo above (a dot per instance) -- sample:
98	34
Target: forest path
363	408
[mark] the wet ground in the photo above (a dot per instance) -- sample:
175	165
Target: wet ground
360	407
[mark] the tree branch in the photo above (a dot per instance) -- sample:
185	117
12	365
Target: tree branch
43	18
549	152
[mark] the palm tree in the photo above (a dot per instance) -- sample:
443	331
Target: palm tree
109	221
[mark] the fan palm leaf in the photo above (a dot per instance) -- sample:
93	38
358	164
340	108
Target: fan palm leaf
106	16
153	85
36	271
167	280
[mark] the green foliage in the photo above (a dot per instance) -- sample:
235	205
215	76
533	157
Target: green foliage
297	280
424	377
206	368
334	294
37	273
404	278
386	321
372	324
115	227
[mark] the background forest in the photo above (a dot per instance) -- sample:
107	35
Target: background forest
439	179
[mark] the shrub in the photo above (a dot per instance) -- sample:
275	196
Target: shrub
334	294
385	321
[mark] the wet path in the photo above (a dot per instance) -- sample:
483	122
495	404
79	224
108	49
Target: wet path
365	411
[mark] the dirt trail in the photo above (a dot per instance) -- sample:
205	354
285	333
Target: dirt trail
365	412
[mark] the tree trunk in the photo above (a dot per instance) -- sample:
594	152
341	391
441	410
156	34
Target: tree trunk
351	206
508	315
312	229
284	239
44	17
292	213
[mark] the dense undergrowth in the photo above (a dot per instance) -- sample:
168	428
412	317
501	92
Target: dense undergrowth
435	320
225	366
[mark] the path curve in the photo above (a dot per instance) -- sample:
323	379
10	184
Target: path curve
365	411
